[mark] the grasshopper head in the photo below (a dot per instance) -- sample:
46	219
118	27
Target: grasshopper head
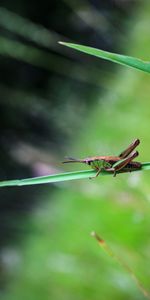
87	161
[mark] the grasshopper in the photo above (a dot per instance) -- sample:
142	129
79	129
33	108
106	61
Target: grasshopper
113	164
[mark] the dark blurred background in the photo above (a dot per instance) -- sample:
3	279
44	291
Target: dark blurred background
46	89
47	92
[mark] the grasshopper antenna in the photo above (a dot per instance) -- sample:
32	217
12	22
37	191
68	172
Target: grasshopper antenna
71	160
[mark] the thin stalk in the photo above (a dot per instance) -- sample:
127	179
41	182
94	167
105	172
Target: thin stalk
109	251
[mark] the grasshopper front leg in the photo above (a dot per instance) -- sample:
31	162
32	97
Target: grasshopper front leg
98	168
98	171
122	163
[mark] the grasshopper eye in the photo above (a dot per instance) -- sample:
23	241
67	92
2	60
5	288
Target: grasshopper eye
87	161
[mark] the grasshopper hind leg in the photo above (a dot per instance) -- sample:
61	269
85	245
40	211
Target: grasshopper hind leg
122	163
129	149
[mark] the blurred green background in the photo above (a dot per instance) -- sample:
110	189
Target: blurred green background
56	102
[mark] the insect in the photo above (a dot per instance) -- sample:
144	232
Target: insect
121	163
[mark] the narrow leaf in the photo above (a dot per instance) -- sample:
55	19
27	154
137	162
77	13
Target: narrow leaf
117	58
65	177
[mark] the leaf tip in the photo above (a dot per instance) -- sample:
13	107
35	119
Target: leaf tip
93	233
96	236
61	43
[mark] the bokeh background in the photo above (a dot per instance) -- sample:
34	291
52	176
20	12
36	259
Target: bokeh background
56	102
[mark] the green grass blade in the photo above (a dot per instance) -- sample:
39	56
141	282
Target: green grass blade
146	166
62	177
49	179
117	58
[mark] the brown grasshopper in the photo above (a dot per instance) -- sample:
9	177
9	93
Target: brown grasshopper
122	163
